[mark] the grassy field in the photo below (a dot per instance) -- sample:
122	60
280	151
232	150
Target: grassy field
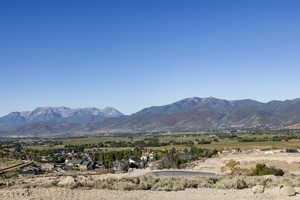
249	145
46	147
261	141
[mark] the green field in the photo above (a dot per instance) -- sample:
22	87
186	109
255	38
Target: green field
219	142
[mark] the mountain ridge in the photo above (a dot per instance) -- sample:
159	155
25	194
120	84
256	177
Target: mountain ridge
206	113
189	114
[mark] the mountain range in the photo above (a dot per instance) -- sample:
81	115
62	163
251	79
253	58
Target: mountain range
196	113
58	115
190	114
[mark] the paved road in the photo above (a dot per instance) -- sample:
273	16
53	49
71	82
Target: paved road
15	167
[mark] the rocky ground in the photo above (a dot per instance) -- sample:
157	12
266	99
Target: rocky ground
94	188
195	194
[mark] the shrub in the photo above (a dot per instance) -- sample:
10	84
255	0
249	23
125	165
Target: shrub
235	182
232	164
234	168
125	186
262	169
170	160
155	183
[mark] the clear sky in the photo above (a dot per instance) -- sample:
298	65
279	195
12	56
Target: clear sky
138	53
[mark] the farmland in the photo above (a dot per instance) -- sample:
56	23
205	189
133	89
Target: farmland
217	141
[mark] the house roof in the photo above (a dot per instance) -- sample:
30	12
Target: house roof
86	163
135	159
76	161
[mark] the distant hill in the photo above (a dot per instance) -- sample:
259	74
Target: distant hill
190	114
57	115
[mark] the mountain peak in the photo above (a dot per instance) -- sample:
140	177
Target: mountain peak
197	101
192	99
204	99
111	111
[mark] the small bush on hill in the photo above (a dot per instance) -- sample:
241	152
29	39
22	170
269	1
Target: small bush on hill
262	169
235	169
232	164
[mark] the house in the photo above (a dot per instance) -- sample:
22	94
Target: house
47	167
73	162
67	168
45	159
236	150
226	151
269	152
30	170
59	170
145	158
86	165
151	156
185	156
99	164
136	163
291	151
58	159
120	165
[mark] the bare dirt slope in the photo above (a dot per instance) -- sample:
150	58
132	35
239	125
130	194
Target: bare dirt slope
289	162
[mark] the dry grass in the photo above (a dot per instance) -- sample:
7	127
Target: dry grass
183	183
155	183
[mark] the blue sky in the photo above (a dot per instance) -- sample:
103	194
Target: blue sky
134	54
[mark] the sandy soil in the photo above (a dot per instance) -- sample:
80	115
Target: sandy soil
81	194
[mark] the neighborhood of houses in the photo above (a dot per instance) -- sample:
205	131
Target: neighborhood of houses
63	160
67	162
